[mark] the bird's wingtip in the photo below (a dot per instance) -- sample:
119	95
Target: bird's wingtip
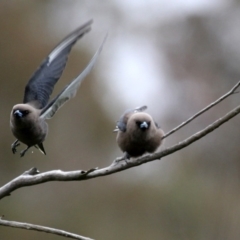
141	109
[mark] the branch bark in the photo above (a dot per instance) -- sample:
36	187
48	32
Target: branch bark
34	177
39	228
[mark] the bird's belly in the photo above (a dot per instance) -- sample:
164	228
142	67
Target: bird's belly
138	145
135	148
30	137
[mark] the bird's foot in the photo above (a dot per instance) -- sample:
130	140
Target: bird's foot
14	146
126	157
22	153
119	159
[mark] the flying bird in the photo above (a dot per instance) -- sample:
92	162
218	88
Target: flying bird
27	119
138	133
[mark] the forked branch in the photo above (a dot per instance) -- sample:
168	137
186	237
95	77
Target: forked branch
34	177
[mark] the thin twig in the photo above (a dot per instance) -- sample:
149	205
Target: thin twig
33	176
39	228
231	92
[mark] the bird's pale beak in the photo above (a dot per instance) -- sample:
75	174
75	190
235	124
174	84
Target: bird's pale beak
18	113
116	129
144	125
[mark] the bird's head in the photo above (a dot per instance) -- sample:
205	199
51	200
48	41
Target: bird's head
140	122
22	113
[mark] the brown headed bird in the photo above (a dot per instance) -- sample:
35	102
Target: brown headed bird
27	120
137	133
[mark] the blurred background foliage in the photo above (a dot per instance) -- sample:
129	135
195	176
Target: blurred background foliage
174	56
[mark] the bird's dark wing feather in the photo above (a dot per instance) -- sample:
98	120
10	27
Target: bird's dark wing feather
157	125
122	123
41	84
70	90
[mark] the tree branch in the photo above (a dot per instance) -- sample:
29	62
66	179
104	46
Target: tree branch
33	176
231	92
33	227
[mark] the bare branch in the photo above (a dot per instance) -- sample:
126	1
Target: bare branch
33	227
231	92
33	176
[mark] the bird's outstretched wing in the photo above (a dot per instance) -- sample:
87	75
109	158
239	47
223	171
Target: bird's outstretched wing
71	89
41	84
122	123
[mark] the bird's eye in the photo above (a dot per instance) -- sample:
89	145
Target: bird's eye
138	123
25	112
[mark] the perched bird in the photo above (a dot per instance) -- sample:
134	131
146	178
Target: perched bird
27	120
137	133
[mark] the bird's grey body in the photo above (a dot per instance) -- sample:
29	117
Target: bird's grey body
30	129
138	133
27	120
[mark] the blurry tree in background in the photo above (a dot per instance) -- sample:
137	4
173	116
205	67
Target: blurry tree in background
174	56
